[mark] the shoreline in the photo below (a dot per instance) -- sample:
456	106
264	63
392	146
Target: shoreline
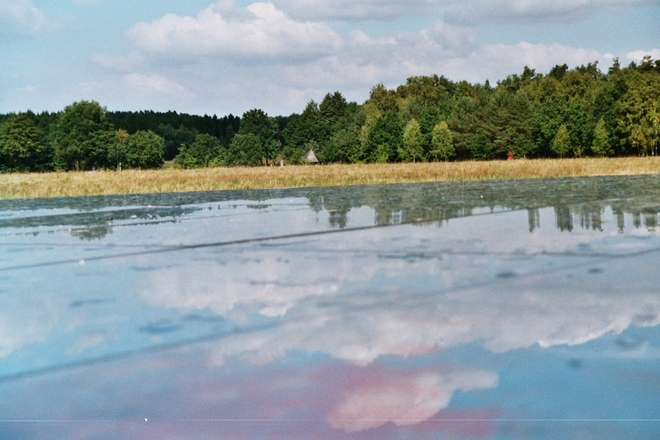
71	184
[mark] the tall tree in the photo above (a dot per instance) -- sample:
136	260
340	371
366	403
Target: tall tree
176	137
20	149
561	144
641	112
206	151
481	148
512	121
245	150
413	142
117	152
443	144
302	129
468	117
547	119
83	136
258	123
344	144
385	100
385	139
601	143
145	150
332	108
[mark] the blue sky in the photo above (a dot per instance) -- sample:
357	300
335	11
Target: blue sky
230	56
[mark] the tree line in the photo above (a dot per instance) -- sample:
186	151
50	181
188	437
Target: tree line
564	113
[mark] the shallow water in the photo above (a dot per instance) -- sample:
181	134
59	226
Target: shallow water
495	310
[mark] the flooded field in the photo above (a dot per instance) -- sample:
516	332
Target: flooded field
467	310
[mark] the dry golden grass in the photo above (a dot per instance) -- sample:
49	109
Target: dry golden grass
19	185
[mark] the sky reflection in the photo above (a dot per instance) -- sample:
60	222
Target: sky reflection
498	321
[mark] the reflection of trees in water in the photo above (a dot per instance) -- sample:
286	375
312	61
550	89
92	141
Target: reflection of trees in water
411	204
589	216
576	201
651	220
534	219
644	214
94	225
620	220
91	232
563	218
591	219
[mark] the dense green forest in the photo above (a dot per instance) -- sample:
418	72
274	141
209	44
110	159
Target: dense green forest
564	113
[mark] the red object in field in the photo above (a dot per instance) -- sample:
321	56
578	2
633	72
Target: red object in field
509	155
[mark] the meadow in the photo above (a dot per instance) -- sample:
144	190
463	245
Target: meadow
64	184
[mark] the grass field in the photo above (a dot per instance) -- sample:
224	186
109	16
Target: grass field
22	185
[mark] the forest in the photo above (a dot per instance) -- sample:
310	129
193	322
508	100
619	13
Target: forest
565	113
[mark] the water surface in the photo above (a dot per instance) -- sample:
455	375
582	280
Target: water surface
490	310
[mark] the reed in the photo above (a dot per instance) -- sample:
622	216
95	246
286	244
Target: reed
60	184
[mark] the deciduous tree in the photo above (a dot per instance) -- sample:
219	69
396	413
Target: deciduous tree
206	151
245	150
601	143
413	142
481	148
145	150
258	123
561	144
443	143
20	149
83	136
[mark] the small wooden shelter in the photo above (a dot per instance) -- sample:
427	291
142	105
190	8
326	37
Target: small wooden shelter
312	158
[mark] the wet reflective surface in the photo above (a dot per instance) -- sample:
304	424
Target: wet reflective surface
492	310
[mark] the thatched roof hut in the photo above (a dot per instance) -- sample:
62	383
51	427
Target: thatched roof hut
311	157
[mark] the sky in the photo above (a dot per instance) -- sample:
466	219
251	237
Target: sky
231	56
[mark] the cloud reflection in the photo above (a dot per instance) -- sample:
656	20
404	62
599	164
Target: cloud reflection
404	399
405	291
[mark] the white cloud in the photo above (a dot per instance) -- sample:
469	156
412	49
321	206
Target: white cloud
154	83
261	30
121	63
477	11
20	18
347	9
637	55
403	400
34	317
85	343
497	61
270	56
462	11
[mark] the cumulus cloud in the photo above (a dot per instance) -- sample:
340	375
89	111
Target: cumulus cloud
34	317
346	9
476	11
403	399
463	11
157	89
260	30
277	57
126	63
154	82
20	18
499	60
638	55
